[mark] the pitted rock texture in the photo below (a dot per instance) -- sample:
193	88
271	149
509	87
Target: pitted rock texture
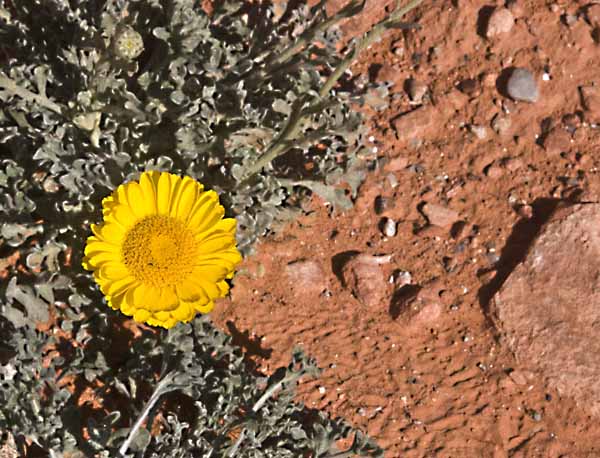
548	310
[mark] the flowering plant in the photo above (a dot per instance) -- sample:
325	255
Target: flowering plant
124	98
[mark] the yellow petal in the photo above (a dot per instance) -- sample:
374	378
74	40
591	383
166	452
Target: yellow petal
120	195
94	245
185	312
138	203
209	272
186	197
228	258
113	271
141	315
166	187
219	241
209	287
137	295
226	225
109	232
206	205
167	300
212	218
149	183
117	287
189	291
203	307
223	288
144	296
123	215
109	200
163	315
166	323
118	302
95	259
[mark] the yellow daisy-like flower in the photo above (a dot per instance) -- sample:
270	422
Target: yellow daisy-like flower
164	250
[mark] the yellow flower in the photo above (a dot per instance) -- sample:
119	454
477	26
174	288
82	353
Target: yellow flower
164	250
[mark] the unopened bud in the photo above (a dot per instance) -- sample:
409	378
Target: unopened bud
128	44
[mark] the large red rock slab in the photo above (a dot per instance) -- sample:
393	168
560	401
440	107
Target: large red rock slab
548	310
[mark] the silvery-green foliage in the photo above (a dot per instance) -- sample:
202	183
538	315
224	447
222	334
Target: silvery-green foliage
210	404
93	92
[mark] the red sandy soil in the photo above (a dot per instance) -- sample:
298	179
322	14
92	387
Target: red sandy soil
436	380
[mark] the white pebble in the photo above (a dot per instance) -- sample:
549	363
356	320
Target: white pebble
389	227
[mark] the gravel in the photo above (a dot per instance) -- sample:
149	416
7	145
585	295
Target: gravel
522	86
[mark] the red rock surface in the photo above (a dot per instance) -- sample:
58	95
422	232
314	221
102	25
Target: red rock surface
548	310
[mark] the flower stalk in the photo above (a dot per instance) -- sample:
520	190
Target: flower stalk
160	389
300	110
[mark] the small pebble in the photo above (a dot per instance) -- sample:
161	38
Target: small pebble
440	216
522	86
399	51
479	131
501	124
416	91
306	277
525	211
402	278
571	122
570	19
389	227
494	171
469	87
501	21
535	415
392	180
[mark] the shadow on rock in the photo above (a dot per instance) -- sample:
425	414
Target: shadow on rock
502	81
339	261
402	299
516	248
483	19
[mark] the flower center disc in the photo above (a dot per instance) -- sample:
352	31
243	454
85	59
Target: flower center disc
159	251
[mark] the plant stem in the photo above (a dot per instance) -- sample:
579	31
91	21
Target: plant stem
282	143
279	145
158	391
255	408
309	34
290	378
371	36
26	94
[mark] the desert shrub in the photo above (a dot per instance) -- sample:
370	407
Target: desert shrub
242	98
95	92
211	403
